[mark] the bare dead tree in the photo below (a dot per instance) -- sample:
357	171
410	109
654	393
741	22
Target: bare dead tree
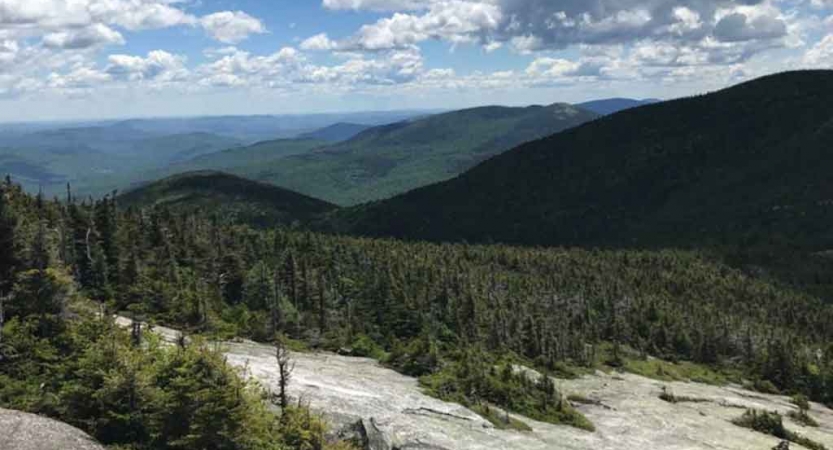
285	368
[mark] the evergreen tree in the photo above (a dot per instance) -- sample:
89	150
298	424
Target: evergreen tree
8	250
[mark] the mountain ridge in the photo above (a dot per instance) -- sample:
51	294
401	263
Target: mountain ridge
661	174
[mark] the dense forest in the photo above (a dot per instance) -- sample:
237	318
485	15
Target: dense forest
747	165
61	357
458	316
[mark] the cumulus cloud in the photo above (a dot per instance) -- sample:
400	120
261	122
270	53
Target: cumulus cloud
231	27
378	5
78	78
318	42
90	36
535	25
821	54
737	27
289	67
158	65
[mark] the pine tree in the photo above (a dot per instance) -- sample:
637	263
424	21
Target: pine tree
8	251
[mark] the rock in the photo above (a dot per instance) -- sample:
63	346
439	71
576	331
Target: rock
366	434
23	431
629	414
784	445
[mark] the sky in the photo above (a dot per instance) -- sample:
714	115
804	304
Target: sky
93	59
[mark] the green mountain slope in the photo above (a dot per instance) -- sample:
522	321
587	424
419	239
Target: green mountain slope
337	132
392	159
181	147
96	160
747	164
246	161
228	196
608	106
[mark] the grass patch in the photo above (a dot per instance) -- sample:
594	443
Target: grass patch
771	423
475	378
680	371
631	361
501	421
801	417
669	397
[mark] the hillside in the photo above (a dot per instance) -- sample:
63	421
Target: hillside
181	147
747	164
388	160
608	106
336	133
227	196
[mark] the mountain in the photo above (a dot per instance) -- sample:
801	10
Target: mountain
609	106
336	133
384	161
181	147
247	162
252	129
228	196
745	165
97	159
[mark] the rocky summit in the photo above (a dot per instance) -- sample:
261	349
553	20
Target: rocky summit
385	410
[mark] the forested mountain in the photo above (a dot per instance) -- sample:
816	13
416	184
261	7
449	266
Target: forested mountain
391	159
336	133
749	164
459	316
97	159
228	197
613	105
251	129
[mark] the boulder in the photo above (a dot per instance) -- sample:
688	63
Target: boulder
23	431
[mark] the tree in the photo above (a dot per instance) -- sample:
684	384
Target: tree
285	368
8	253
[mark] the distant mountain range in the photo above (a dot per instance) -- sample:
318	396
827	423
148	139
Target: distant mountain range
336	133
741	165
608	106
97	157
391	159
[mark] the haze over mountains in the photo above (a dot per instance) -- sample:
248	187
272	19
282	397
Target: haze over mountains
353	162
97	157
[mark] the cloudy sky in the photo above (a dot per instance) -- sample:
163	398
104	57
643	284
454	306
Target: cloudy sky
65	59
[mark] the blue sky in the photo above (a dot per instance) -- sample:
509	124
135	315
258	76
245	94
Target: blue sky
81	59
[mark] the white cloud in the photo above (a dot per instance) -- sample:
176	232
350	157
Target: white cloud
90	36
378	5
536	25
318	42
821	54
158	66
78	78
231	27
737	27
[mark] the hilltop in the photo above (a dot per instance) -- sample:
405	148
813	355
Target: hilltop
227	196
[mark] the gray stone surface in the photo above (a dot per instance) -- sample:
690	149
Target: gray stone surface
625	409
23	431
